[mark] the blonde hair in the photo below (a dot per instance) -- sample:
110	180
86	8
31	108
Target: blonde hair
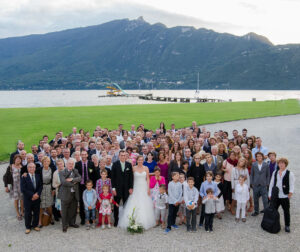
44	159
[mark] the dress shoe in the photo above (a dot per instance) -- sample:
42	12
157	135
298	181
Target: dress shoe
37	229
27	231
74	226
254	214
262	211
65	229
287	229
56	218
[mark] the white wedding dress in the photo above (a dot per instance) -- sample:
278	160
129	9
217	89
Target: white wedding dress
141	201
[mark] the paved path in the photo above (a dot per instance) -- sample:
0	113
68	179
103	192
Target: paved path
281	134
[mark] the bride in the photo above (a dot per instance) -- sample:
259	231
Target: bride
139	199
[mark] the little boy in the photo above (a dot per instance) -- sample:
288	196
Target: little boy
175	199
181	209
191	196
89	197
210	209
160	206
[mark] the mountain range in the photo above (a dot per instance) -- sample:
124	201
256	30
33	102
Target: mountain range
136	54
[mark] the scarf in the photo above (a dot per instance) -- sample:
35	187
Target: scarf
232	162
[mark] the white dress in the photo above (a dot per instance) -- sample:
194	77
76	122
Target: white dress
220	203
141	201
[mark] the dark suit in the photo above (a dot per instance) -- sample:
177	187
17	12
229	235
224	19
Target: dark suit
121	182
90	153
91	175
31	206
198	173
174	167
68	193
207	149
12	156
53	165
212	168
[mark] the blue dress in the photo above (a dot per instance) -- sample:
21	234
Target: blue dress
150	166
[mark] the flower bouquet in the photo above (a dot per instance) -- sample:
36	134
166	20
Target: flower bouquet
133	226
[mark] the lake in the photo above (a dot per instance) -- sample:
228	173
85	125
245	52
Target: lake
60	98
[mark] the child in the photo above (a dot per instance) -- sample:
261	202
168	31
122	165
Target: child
242	196
191	196
103	181
175	199
208	183
89	197
106	199
220	204
160	206
181	210
210	209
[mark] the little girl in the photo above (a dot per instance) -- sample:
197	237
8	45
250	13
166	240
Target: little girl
103	181
106	199
99	187
242	196
219	204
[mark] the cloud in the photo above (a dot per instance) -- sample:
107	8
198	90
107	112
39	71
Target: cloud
23	17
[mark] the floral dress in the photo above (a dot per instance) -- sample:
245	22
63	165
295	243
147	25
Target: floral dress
16	193
105	207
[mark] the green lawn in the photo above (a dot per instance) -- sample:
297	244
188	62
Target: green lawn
29	124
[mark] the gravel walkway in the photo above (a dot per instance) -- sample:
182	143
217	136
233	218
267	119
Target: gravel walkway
280	134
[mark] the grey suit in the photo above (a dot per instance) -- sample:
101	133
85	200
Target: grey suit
259	180
219	163
69	195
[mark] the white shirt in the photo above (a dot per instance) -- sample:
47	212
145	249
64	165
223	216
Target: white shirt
259	166
241	193
279	183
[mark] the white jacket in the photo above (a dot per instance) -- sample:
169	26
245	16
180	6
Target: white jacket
242	193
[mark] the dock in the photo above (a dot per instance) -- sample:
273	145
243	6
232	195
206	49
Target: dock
178	99
150	97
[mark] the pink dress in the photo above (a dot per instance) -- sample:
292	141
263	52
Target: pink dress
164	171
154	187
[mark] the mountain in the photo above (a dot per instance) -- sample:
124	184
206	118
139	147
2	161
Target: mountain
137	54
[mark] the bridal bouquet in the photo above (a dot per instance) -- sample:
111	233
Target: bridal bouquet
134	227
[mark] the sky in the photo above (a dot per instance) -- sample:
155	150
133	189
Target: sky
278	20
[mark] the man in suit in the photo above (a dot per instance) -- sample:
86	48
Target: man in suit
31	187
69	194
86	170
92	149
259	179
122	182
217	160
20	147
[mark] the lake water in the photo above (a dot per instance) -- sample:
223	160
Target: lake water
57	98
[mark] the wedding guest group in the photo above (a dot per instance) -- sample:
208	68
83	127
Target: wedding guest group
166	176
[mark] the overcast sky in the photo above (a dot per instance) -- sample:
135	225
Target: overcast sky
278	20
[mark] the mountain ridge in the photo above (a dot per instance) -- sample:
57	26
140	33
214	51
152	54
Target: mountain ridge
137	54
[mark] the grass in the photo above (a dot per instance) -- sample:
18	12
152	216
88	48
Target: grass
30	124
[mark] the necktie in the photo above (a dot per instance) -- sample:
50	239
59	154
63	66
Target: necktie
33	181
215	159
85	172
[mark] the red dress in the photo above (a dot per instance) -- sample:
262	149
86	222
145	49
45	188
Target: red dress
105	207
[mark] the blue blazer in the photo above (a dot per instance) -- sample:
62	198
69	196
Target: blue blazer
27	186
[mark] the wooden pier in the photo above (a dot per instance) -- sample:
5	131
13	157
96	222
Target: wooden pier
150	97
178	99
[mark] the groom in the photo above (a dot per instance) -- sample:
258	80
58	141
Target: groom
122	182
